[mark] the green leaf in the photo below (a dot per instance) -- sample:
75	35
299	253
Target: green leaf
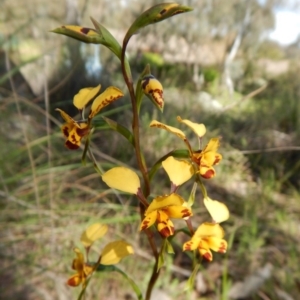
121	129
191	280
155	14
169	247
83	34
112	44
110	268
182	153
86	147
99	35
191	199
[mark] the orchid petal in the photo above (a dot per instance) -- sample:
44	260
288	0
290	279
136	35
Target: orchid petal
85	95
114	252
171	129
161	202
93	233
110	95
218	210
179	171
199	129
149	220
122	179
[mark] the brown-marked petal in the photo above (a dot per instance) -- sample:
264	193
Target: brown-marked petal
110	95
149	220
171	129
164	224
73	140
153	88
216	244
75	280
192	244
178	212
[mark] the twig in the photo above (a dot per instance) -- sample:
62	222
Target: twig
250	95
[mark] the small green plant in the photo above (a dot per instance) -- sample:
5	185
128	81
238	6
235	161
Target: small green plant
180	165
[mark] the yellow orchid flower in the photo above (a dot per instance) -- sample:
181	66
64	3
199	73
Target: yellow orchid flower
73	130
161	209
83	270
111	254
207	236
205	159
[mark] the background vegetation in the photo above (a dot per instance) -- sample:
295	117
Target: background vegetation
217	69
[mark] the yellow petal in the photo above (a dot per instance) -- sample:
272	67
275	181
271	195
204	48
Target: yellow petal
166	229
206	253
75	280
171	129
161	202
212	145
178	212
179	171
208	158
85	96
65	116
207	172
209	229
122	179
66	128
192	244
199	129
218	210
114	252
216	244
164	224
78	262
93	233
74	139
110	95
149	220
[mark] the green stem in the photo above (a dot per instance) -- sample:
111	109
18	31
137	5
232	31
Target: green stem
135	123
154	277
202	187
141	164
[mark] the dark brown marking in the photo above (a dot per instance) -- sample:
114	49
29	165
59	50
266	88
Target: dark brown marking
186	213
71	146
177	12
65	131
163	12
207	255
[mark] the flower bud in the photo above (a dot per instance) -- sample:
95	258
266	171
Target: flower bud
153	90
